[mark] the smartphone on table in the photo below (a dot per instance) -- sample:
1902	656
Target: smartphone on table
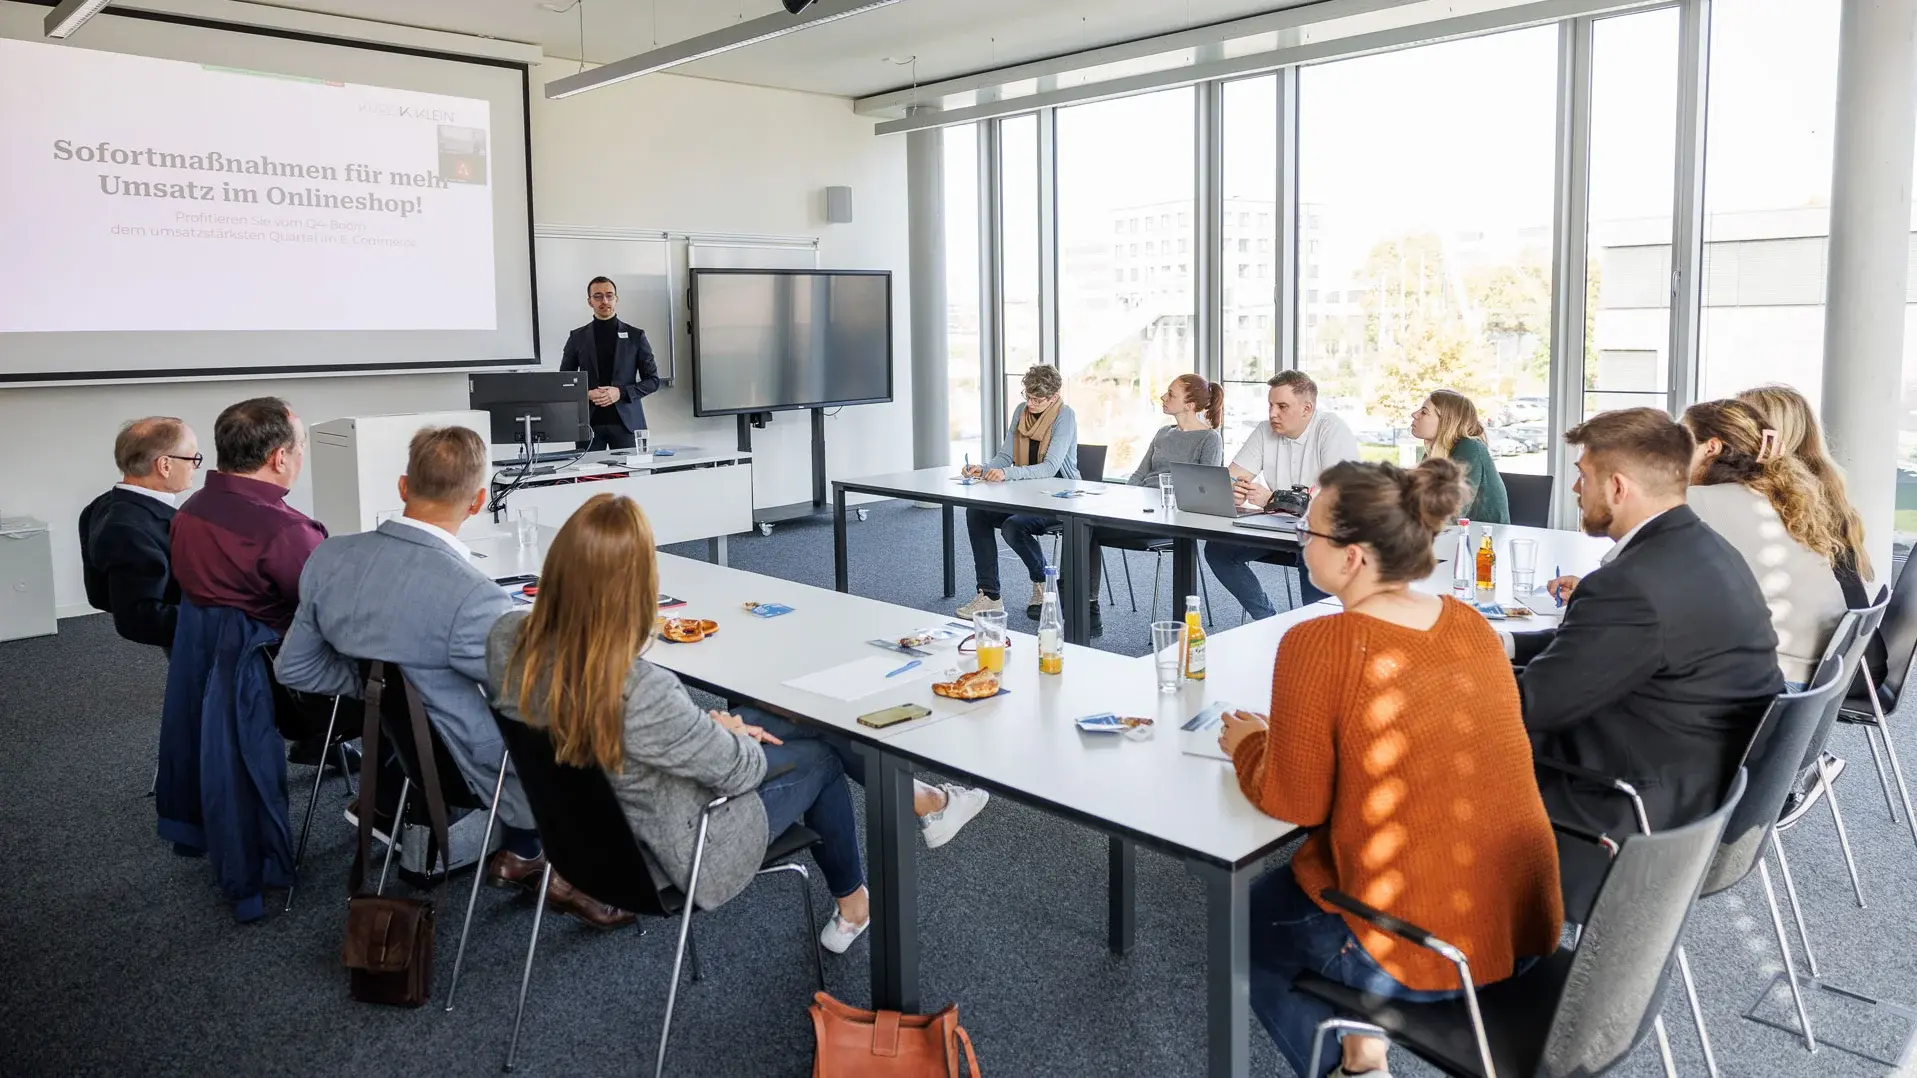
892	716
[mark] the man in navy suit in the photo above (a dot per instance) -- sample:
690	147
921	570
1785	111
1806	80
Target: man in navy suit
618	365
125	548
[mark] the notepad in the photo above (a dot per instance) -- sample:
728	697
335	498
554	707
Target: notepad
1199	735
858	679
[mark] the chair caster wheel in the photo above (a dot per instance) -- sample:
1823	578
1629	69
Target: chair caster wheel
765	529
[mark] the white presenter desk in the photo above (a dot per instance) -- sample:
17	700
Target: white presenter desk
694	494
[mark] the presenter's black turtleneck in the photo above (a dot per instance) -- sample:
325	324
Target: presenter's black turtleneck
605	342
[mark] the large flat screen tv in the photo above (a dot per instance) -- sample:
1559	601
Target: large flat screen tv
775	340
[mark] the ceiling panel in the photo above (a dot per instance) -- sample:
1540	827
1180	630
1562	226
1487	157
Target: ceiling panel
862	55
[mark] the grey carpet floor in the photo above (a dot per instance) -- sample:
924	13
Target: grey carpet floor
119	957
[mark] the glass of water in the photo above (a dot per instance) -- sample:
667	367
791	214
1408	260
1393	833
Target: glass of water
1524	567
1168	654
1167	498
528	527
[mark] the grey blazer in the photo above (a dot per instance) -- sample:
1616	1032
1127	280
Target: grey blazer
407	597
677	761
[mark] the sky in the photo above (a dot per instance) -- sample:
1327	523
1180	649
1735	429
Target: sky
1454	137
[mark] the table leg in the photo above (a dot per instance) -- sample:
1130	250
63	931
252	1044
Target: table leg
1227	970
716	550
951	565
892	837
1184	575
839	581
1121	911
1075	580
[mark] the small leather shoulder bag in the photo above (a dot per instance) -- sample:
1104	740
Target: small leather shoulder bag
856	1043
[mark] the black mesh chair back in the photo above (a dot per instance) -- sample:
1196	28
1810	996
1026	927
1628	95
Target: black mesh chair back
396	730
1529	497
1773	764
1897	626
1091	462
1614	989
581	824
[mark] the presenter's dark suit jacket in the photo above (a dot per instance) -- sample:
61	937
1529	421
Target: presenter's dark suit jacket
1659	675
125	557
634	373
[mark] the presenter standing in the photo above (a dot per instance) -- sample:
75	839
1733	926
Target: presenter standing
618	365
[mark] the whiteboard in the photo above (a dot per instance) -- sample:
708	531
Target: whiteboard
651	269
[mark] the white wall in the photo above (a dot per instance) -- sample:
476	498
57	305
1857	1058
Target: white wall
662	152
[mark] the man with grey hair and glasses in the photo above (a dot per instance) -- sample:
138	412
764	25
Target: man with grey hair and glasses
125	544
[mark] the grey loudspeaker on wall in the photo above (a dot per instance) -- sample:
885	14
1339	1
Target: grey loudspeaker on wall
838	205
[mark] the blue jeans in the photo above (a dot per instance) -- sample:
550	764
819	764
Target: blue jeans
813	790
1021	533
1231	564
1290	935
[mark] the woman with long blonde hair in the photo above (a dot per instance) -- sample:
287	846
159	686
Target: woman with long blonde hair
1447	423
1765	503
1787	412
575	666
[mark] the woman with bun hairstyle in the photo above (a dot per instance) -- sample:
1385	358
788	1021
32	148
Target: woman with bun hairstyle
1764	502
1447	423
1396	737
1197	409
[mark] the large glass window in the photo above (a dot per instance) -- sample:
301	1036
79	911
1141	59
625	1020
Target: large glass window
1633	164
1767	166
1018	250
1424	261
1249	305
1125	168
962	291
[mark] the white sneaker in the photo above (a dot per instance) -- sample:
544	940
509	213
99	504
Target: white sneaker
838	934
961	804
1378	1073
980	602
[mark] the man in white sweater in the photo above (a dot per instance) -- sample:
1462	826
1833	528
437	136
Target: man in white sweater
1291	450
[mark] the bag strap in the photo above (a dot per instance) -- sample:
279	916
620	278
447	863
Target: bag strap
970	1059
429	775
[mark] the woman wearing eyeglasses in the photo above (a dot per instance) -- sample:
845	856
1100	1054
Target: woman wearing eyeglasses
1395	736
1042	443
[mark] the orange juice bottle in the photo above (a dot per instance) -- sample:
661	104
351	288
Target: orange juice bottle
1487	566
1051	628
1194	658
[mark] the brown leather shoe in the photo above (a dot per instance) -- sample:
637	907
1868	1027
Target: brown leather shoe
568	899
508	869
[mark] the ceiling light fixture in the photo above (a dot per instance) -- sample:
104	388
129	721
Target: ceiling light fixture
764	28
71	15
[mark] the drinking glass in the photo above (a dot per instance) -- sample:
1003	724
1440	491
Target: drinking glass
1167	498
988	627
1524	567
1168	650
528	526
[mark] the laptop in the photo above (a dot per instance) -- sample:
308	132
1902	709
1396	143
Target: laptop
1204	488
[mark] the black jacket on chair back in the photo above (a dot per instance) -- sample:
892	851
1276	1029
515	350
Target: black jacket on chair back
126	559
1659	675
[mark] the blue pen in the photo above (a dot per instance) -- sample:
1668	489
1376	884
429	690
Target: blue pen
1557	571
903	669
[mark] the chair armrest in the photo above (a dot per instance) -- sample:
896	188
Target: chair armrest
1609	844
1406	930
1596	779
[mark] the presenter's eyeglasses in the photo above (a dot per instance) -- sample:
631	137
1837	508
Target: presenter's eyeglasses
196	459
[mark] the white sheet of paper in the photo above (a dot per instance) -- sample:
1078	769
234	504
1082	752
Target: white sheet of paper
861	678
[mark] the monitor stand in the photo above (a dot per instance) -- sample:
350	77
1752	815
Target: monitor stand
765	518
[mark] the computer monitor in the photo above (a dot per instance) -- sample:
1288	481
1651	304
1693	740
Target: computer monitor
531	407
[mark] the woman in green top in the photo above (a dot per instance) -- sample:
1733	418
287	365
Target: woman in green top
1447	424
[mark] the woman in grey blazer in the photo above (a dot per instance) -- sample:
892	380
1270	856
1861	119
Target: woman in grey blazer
574	667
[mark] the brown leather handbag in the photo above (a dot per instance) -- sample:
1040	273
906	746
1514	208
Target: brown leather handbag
855	1043
389	940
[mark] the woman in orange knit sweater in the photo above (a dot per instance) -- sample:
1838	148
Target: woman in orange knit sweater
1396	737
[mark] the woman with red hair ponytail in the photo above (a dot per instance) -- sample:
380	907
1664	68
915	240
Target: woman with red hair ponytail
1197	409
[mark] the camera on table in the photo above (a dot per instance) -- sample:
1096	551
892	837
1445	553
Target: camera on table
1293	500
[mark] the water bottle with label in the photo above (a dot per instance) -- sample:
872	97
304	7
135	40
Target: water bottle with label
1051	627
1462	582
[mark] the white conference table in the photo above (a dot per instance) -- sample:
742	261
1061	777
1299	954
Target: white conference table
1110	507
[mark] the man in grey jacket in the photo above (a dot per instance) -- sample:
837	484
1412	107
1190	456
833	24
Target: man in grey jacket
409	594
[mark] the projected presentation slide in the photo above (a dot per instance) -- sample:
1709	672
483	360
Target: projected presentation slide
155	194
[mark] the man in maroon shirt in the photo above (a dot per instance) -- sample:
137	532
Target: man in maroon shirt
237	543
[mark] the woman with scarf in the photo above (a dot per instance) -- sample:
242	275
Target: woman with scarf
1042	443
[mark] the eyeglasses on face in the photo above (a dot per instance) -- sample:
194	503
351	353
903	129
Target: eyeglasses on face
605	296
196	459
1306	533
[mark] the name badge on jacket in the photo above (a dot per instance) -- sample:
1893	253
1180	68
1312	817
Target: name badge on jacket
622	335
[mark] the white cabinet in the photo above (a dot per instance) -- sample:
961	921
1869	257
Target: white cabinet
26	579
